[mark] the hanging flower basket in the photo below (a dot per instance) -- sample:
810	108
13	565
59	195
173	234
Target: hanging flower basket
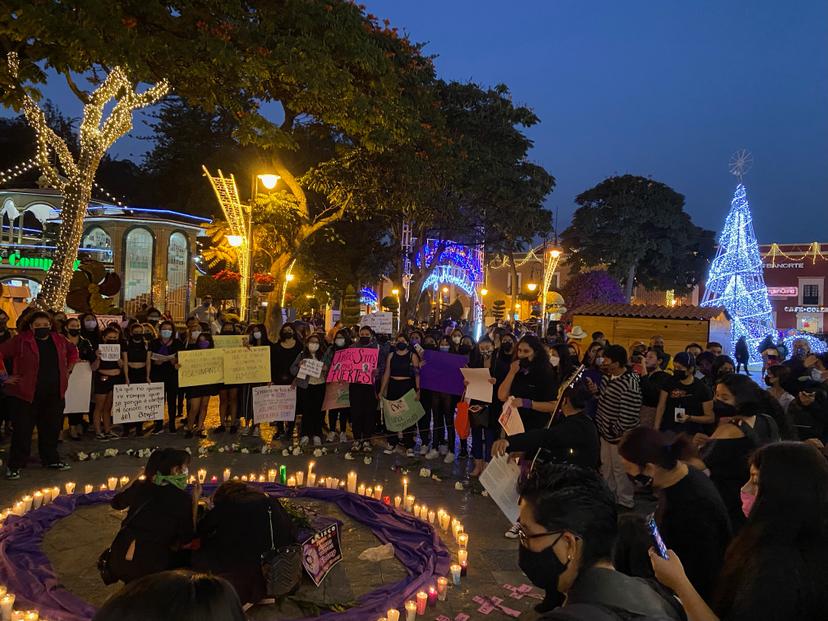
265	283
265	287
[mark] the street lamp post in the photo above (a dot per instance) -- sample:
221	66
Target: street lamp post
551	259
396	294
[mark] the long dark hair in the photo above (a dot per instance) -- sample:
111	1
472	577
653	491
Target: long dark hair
643	445
541	358
790	512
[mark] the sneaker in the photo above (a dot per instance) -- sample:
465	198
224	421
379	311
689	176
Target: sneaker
343	438
409	453
102	437
355	447
304	441
432	454
349	456
367	448
158	432
12	475
443	449
424	450
388	449
449	458
331	437
113	436
219	429
317	441
512	533
59	465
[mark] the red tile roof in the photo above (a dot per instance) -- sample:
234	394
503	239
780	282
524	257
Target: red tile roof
649	311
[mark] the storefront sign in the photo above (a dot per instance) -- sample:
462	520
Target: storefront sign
784	266
41	263
806	309
783	292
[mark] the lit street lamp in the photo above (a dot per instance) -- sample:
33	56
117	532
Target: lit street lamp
550	264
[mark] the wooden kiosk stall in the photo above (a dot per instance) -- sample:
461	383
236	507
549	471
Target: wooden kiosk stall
624	324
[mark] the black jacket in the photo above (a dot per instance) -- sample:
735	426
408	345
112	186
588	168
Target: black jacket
569	440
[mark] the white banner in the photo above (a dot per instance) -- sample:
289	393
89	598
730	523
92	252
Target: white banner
381	323
274	403
136	403
109	352
79	391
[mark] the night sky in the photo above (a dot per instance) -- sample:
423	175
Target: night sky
658	88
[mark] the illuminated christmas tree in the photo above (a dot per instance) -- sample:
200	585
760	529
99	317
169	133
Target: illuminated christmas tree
736	281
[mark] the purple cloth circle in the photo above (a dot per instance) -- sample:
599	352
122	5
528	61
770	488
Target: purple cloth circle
27	572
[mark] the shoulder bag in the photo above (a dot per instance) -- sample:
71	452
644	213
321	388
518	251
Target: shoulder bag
281	567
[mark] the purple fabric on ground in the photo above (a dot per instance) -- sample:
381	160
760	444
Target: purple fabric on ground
26	570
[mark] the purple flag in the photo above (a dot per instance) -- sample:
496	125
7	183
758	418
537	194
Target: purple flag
441	372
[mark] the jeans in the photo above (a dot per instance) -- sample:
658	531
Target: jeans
482	440
444	406
45	413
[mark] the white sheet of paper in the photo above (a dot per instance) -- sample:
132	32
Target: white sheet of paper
479	387
309	367
510	419
500	479
79	391
136	403
110	352
274	403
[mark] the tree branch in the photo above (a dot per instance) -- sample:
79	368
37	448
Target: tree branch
293	185
79	93
310	229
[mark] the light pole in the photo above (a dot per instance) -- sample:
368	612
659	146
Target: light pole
396	294
551	259
269	181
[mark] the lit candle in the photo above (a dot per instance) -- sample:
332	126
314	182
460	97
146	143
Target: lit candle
6	605
271	475
416	511
442	588
410	610
432	596
27	503
191	480
405	487
47	495
311	464
19	508
32	615
397	501
378	496
423	512
283	474
112	483
300	478
226	474
261	478
143	477
463	541
462	556
292	481
409	503
311	479
432	517
202	475
455	574
352	483
454	522
103	487
445	518
386	500
87	489
244	478
456	530
70	487
369	491
464	568
125	480
214	479
55	493
322	482
18	615
37	500
422	602
392	614
3	590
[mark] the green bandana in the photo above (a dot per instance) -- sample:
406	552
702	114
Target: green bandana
178	480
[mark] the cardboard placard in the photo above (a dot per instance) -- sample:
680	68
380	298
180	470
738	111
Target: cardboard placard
246	365
110	352
380	322
223	341
200	367
355	365
310	367
274	403
479	388
79	390
402	413
440	372
136	403
321	552
337	396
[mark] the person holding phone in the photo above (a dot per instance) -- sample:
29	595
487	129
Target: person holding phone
685	403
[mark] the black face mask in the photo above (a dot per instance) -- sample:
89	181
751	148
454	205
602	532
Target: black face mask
287	336
506	348
138	337
464	349
768	381
641	480
524	363
542	568
722	409
41	333
73	331
679	375
430	345
364	340
402	346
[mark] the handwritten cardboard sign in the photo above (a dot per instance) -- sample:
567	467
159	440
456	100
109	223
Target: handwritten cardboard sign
110	352
136	403
243	365
274	403
402	413
337	396
355	365
321	552
310	367
200	367
381	323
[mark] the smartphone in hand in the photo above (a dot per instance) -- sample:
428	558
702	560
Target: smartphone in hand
657	540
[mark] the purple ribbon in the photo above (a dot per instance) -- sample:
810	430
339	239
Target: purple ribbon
26	570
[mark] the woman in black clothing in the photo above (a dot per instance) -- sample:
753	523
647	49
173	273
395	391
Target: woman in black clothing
86	352
159	521
107	374
164	368
139	360
685	403
691	515
775	568
483	432
90	330
256	337
531	382
228	393
234	534
310	391
363	399
198	397
402	375
282	356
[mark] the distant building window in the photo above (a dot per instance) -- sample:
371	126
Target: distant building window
138	269
177	275
509	283
810	295
97	245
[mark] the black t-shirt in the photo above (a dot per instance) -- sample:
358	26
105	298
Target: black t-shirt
690	398
537	383
570	440
137	350
281	359
48	372
651	387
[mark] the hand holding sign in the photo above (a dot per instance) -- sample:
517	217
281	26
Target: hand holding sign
109	352
355	365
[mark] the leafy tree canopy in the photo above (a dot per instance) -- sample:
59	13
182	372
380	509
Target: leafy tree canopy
594	287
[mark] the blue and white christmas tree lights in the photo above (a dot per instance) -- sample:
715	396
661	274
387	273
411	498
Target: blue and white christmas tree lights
736	281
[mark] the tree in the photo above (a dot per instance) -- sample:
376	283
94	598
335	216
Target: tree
350	307
637	228
498	309
593	287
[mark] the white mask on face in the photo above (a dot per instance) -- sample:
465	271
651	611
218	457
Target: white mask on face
195	334
257	335
554	361
313	347
340	342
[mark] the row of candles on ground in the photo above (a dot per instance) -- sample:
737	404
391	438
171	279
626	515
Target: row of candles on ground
425	599
7	612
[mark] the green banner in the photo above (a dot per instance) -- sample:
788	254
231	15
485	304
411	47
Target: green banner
402	413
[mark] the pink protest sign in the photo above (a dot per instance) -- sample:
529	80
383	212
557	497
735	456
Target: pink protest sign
355	365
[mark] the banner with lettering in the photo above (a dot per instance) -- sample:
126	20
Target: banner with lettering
274	403
136	403
200	367
321	552
109	352
246	365
402	413
381	322
223	341
354	365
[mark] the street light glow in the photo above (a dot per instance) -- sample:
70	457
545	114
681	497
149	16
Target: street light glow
555	253
290	277
532	286
234	240
269	181
445	289
484	292
395	292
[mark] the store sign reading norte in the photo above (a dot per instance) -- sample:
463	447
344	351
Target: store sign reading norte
42	263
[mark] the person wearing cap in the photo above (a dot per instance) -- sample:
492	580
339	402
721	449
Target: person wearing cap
685	403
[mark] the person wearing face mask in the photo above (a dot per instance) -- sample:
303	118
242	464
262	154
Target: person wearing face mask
164	368
228	394
72	333
686	403
256	337
776	378
691	516
310	391
58	320
532	383
90	330
567	532
363	400
139	361
775	568
402	375
444	406
744	426
198	397
42	360
722	365
107	374
282	356
159	521
484	425
341	340
809	411
652	383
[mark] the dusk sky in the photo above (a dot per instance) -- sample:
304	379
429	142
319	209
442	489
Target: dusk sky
659	88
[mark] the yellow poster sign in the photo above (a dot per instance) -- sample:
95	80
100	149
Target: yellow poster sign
200	367
224	341
243	365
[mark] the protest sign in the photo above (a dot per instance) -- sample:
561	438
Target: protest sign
479	388
223	341
136	403
441	372
500	479
402	413
200	367
381	323
79	390
321	552
103	320
337	396
274	403
246	365
309	367
354	365
109	352
510	419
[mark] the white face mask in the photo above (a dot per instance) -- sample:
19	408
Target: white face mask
257	335
313	347
339	342
554	361
195	334
90	324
